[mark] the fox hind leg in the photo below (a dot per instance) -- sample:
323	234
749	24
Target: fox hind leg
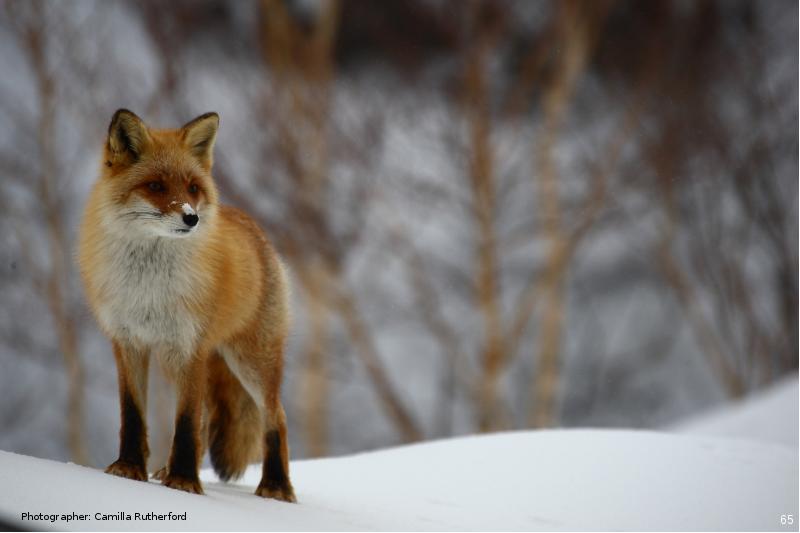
275	470
261	378
275	481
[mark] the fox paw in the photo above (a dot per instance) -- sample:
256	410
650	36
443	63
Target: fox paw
127	470
180	483
160	474
284	494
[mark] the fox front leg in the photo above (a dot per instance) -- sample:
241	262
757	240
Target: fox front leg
161	473
187	449
132	376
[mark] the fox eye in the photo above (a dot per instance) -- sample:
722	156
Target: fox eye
193	188
156	186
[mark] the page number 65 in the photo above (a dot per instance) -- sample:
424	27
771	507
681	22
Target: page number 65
787	519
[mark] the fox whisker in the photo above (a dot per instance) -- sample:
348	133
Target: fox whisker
142	215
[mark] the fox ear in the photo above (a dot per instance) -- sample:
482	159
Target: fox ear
199	136
127	136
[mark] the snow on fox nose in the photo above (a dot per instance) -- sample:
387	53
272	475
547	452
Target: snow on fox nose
190	217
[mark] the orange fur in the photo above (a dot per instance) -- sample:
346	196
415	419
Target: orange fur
208	297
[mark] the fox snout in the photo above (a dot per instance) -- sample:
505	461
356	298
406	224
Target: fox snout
190	217
191	220
166	221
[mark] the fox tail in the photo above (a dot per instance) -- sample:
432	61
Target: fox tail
235	425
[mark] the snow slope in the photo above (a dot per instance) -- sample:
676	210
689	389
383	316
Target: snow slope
537	480
769	416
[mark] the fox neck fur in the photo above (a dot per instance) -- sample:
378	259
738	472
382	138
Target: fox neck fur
148	287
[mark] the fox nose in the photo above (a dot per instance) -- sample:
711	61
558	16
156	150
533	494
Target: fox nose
191	220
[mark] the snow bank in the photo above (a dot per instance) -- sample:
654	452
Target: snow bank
539	480
770	415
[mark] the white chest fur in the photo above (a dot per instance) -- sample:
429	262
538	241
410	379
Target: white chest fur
146	286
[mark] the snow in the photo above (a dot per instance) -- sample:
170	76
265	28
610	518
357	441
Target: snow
187	209
534	480
769	416
734	468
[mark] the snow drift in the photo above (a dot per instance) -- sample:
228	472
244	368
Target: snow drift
536	480
769	416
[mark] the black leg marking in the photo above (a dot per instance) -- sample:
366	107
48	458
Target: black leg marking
274	476
131	445
184	450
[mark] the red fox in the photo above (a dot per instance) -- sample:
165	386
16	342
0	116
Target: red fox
167	270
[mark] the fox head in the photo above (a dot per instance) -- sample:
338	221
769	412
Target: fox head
159	180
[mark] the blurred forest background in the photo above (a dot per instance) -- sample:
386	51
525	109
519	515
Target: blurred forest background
498	214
